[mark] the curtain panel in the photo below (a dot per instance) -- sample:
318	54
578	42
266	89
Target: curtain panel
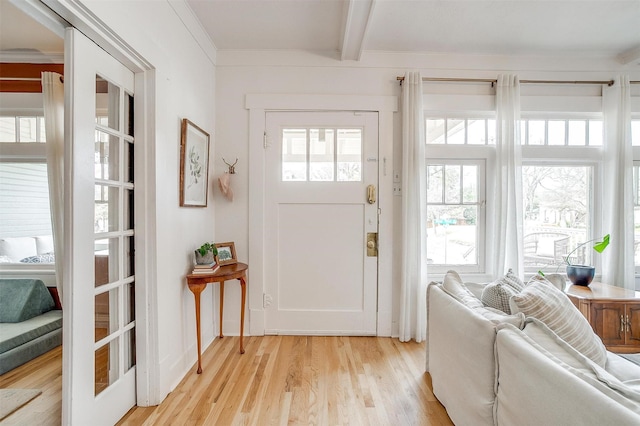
53	98
618	266
413	306
507	238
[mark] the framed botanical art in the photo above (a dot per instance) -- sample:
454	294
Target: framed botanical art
226	254
194	165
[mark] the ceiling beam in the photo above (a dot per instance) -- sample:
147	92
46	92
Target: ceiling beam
357	16
630	56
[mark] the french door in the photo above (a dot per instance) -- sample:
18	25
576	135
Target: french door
321	212
99	356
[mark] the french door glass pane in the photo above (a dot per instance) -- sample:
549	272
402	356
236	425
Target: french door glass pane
106	366
106	208
107	104
106	311
107	260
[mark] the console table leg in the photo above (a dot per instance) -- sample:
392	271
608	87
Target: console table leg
196	289
243	286
221	305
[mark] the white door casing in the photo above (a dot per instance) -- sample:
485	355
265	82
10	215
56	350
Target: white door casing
258	105
84	291
319	277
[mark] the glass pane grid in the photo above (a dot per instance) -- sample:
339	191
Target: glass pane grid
556	132
22	129
322	155
452	211
460	131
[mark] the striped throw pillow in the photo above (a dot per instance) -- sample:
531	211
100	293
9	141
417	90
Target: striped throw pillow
542	300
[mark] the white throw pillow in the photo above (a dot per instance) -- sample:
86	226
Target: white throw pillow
454	286
497	294
542	300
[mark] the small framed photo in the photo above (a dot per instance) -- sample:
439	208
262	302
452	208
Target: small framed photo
226	254
194	165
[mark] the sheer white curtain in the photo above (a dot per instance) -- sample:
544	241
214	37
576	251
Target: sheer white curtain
413	306
53	96
618	263
507	241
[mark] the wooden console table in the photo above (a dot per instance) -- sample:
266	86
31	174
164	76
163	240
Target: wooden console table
613	312
198	282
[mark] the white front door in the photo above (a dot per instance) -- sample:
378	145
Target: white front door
99	354
320	193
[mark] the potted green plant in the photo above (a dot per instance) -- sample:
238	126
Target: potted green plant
583	274
206	253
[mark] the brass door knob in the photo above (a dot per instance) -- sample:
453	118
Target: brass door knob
371	245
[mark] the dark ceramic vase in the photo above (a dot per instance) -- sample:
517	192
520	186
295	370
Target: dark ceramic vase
580	274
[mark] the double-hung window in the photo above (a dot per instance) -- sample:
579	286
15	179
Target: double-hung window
458	150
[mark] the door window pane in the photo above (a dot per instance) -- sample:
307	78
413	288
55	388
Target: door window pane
349	156
321	158
294	155
106	260
106	156
106	313
107	104
106	208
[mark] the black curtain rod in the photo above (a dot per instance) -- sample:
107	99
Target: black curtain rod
494	81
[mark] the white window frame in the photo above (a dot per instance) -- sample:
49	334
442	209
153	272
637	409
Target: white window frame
481	220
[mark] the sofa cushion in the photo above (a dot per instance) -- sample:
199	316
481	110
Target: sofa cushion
13	335
23	299
17	248
44	244
542	300
454	286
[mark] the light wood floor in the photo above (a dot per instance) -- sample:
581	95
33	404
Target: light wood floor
44	373
282	380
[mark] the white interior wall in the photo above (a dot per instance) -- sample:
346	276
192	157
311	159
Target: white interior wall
185	87
245	72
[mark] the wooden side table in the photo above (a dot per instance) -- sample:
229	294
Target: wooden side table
613	312
198	282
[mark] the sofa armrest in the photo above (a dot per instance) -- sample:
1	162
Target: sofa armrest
461	358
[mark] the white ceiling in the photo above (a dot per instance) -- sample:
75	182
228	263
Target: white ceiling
511	27
354	27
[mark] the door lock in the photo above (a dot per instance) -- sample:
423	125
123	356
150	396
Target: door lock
371	194
372	244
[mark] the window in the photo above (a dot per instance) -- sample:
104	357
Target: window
455	219
22	129
556	208
24	187
322	154
562	132
461	131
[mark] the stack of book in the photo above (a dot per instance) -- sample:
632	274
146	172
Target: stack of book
208	268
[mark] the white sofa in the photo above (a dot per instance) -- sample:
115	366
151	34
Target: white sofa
488	371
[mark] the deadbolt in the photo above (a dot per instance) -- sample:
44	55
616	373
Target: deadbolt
372	244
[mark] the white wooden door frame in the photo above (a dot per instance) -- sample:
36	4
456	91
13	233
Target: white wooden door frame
258	105
147	340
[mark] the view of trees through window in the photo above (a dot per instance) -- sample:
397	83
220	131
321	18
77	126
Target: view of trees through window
556	206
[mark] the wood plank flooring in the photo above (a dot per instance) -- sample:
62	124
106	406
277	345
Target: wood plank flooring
44	373
303	380
279	380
